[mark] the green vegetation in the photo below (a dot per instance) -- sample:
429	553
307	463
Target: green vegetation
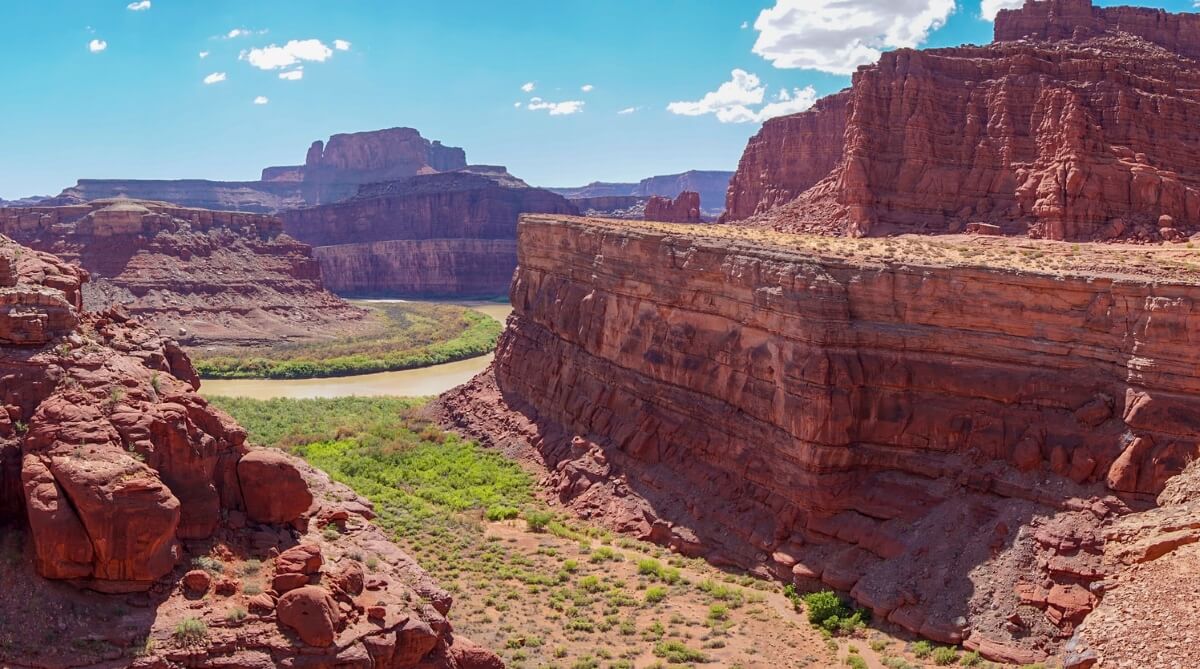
190	631
677	653
409	335
922	649
945	655
827	611
537	521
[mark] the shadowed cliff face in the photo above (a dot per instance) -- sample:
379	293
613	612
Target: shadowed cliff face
1077	123
927	438
443	235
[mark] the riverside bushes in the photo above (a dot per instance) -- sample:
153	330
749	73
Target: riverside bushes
411	335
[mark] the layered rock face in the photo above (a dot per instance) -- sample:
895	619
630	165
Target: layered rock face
211	277
947	444
1078	123
710	184
119	473
332	171
441	235
683	209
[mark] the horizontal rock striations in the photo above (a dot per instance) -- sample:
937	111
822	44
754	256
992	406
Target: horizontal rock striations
710	184
332	171
115	474
209	276
440	235
1078	123
683	209
946	443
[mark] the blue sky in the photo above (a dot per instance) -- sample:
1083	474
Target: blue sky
113	88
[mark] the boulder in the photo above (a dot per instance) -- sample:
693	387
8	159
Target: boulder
311	613
272	487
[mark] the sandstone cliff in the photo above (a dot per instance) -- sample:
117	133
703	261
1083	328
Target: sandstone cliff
209	277
440	235
683	209
710	184
118	474
947	436
1077	123
332	171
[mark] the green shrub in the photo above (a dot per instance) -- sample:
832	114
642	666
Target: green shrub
824	605
655	594
945	655
190	632
970	659
536	521
922	649
209	564
856	662
677	653
501	512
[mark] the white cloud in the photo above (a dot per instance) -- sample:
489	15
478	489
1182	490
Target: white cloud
214	78
204	54
292	75
628	110
261	100
745	24
989	8
837	36
97	45
734	101
140	6
556	108
341	45
275	57
527	87
517	105
587	88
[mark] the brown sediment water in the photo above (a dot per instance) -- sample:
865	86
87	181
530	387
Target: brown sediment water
432	380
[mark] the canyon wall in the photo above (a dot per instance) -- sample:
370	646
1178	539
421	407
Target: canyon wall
332	171
1083	128
209	277
710	184
943	442
115	474
683	209
440	235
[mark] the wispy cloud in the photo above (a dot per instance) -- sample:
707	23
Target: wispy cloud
215	78
341	45
141	6
204	54
989	8
735	100
564	108
241	32
292	75
97	45
628	110
261	100
527	87
587	88
276	57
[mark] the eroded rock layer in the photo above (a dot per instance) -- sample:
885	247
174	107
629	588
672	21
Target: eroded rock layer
332	171
441	235
209	277
947	444
683	209
1077	123
120	474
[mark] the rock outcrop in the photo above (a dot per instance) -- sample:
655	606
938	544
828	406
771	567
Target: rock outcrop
683	209
119	474
948	442
710	184
1077	123
439	235
332	171
210	277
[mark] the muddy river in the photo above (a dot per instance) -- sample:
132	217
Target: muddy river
406	383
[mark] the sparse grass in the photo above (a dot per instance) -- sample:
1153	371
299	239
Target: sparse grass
676	652
536	521
409	335
190	632
944	656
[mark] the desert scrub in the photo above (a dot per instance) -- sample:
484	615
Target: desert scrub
409	335
827	611
676	652
190	632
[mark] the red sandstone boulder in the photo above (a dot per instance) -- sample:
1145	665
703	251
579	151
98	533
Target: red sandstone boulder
272	487
302	559
197	581
311	613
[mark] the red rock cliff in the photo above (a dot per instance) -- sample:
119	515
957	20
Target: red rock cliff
825	414
1085	128
212	277
683	209
440	235
118	473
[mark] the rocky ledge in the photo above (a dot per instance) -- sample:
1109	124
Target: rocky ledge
115	476
955	444
207	277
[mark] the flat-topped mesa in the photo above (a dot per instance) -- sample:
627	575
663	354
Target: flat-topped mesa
1078	123
925	424
215	276
438	235
332	171
683	209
